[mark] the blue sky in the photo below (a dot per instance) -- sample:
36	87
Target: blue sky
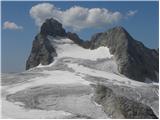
17	39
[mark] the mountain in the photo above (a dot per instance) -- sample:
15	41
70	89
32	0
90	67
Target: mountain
42	51
134	60
77	40
67	77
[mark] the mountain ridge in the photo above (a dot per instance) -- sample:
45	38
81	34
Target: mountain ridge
129	53
68	80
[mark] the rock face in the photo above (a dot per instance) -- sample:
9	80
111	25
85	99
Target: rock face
157	50
120	107
134	60
52	27
82	78
77	40
42	50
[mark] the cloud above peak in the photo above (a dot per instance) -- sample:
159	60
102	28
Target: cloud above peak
76	17
11	26
132	12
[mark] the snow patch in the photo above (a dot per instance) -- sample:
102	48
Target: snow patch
66	48
110	76
10	110
41	66
55	77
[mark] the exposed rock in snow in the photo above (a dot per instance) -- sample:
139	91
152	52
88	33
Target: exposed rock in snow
74	37
42	52
134	60
118	106
67	86
66	80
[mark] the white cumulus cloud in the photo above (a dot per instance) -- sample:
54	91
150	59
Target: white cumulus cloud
11	26
75	17
132	12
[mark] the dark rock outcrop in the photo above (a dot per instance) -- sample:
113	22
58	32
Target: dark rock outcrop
157	50
53	28
42	50
74	37
134	60
118	106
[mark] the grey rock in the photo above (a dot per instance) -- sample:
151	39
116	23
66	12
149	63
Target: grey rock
52	27
94	39
42	52
134	60
78	41
117	106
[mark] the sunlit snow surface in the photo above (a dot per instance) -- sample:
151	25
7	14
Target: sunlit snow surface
66	48
63	88
10	110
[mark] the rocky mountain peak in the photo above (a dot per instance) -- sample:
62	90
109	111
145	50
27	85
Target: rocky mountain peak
42	50
121	31
52	27
120	28
114	37
134	60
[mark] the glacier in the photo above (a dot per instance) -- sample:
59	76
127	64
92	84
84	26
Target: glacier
68	87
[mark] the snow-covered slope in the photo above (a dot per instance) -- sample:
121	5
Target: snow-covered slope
67	48
64	89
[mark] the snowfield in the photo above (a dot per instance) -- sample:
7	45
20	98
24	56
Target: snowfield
66	48
54	77
10	110
64	89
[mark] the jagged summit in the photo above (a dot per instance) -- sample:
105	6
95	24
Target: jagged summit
112	38
120	28
42	51
103	78
115	36
52	27
133	59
